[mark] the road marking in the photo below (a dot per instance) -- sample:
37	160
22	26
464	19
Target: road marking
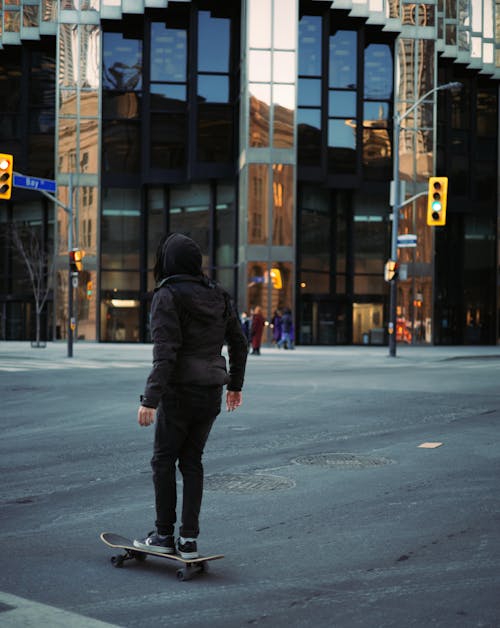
17	611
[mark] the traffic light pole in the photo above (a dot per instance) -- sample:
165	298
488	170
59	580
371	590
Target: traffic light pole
393	295
69	210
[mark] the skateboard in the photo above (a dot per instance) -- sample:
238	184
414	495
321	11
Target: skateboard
190	566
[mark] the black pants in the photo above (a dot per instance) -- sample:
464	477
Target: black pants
184	419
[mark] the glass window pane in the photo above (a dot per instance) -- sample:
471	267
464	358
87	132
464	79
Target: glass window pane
378	72
90	56
215	133
120	105
167	96
225	223
342	133
259	23
122	62
259	105
121	142
258	204
283	67
315	230
284	106
281	283
376	114
168	53
309	137
285	24
342	104
120	310
189	214
120	229
309	92
156	222
213	88
310	45
283	205
168	140
259	66
213	43
257	289
343	67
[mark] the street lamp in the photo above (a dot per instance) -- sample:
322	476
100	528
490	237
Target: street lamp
397	206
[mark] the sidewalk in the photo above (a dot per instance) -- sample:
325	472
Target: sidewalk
112	352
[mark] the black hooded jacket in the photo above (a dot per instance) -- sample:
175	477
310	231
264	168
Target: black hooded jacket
191	317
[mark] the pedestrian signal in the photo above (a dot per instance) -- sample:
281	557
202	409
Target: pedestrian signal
391	270
436	201
6	167
76	260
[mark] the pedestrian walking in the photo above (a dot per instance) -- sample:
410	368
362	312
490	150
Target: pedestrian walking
257	329
191	316
245	325
286	339
276	326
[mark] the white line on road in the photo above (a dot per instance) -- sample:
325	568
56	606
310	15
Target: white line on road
17	611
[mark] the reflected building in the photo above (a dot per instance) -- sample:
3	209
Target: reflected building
264	130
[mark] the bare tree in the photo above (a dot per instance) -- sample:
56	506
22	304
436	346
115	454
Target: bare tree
39	265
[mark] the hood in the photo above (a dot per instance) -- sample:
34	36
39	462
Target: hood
178	255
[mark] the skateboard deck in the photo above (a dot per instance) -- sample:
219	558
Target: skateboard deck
190	566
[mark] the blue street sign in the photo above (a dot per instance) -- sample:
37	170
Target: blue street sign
35	183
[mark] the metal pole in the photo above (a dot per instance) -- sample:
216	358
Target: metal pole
394	239
70	273
397	205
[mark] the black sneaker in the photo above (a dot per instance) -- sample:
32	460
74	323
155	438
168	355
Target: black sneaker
188	549
156	543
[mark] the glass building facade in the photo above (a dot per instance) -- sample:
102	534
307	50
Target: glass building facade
264	129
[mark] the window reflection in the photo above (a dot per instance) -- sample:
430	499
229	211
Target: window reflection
168	140
213	43
122	62
283	182
168	53
67	143
309	137
121	141
189	214
310	45
283	123
283	67
259	23
225	224
90	54
284	24
315	230
120	230
259	107
258	288
258	204
259	66
30	16
378	72
341	104
343	55
342	145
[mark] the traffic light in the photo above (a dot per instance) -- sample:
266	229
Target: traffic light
6	166
89	289
76	260
391	270
436	201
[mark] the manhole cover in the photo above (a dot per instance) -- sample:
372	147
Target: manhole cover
342	461
246	482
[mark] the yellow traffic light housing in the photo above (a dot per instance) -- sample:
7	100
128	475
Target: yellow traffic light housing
6	167
436	201
76	260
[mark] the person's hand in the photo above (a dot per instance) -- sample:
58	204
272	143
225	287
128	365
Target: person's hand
146	416
234	399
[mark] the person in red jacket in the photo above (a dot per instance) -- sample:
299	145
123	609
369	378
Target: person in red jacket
191	318
257	330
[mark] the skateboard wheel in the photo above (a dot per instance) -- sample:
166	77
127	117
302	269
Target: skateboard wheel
117	561
181	575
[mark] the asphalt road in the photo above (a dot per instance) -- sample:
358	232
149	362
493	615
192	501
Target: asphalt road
317	492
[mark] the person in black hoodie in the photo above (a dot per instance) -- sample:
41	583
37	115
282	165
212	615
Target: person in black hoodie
191	317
